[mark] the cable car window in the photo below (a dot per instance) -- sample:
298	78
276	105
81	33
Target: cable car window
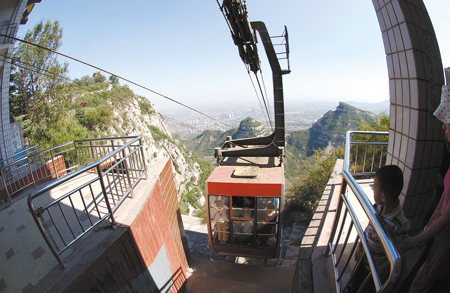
219	213
243	233
267	225
243	207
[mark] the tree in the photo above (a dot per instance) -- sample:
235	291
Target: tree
311	180
370	158
35	72
380	124
98	77
114	79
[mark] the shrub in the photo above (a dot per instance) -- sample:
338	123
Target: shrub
313	177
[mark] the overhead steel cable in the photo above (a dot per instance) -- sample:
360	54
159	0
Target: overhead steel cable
263	96
225	17
239	35
40	70
266	117
118	76
265	91
264	100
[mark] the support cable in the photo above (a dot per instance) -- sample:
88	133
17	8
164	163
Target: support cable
41	71
266	98
259	99
18	63
103	70
265	91
225	17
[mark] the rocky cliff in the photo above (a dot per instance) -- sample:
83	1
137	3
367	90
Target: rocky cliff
157	139
129	115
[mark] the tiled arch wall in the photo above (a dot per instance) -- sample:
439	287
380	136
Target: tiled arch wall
10	16
415	79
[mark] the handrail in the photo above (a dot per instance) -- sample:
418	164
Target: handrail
78	172
345	207
102	187
28	150
39	166
349	143
17	167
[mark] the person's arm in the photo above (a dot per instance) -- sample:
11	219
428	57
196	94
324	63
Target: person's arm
437	226
271	216
439	206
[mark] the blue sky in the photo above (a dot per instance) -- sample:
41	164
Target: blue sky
183	49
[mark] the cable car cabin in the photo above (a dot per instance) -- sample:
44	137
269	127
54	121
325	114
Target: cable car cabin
244	200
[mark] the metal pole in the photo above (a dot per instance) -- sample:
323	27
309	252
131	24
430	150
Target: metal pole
92	151
6	187
102	184
76	152
128	173
447	75
62	265
143	157
53	162
31	172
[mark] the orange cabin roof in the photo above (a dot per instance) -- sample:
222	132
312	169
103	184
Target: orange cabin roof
269	181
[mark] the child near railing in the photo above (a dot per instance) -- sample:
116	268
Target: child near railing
388	184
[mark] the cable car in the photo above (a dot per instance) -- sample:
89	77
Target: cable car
245	193
245	199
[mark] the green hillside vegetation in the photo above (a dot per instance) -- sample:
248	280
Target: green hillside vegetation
311	175
54	109
196	191
345	117
331	128
205	143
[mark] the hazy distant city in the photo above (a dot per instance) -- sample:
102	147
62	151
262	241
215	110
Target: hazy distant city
298	116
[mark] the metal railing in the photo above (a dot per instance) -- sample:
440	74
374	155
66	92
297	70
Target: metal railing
103	173
367	151
346	221
16	172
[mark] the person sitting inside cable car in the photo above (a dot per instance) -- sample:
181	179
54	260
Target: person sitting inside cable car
267	218
221	226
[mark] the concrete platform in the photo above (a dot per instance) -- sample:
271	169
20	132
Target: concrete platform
213	276
25	258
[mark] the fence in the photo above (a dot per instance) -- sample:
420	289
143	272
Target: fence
16	172
101	174
367	151
348	225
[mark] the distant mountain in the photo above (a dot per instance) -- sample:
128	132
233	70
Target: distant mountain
205	143
376	108
330	129
327	131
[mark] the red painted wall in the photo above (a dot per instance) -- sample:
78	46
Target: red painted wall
169	192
